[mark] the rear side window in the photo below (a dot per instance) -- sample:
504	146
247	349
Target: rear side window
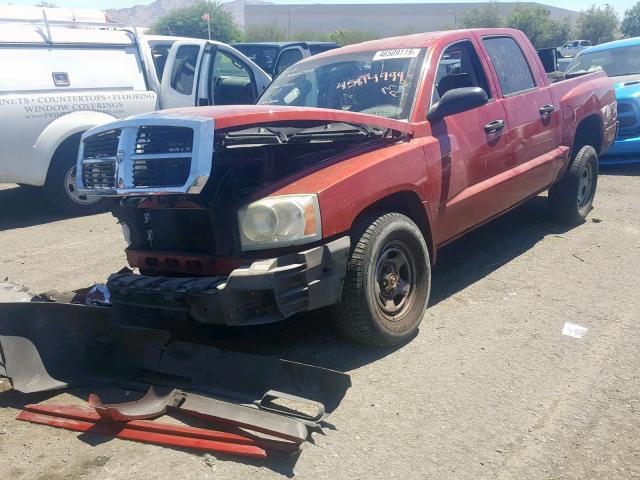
510	65
32	69
184	69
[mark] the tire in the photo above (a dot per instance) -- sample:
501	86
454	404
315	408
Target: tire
571	199
59	188
387	248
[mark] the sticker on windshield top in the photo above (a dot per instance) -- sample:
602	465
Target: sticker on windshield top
397	53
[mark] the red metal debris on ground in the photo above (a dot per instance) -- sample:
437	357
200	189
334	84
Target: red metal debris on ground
86	419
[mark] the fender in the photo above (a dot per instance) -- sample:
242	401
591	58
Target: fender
52	137
347	188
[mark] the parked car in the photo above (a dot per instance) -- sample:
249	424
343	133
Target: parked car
570	49
621	62
66	71
274	57
339	187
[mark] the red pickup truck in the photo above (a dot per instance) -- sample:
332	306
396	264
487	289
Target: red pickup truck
337	189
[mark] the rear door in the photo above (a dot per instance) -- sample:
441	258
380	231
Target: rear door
180	75
531	114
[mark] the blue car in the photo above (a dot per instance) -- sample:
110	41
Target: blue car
621	60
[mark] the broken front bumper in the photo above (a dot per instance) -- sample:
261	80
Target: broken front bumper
264	292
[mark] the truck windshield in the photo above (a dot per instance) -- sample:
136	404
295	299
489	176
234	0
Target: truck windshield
379	83
615	61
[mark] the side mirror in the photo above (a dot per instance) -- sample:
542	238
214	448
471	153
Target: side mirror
457	100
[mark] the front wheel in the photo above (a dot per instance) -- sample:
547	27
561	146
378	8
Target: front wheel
61	189
387	283
571	199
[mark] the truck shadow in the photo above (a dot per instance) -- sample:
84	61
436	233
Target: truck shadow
26	206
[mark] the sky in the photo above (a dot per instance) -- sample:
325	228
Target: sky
619	5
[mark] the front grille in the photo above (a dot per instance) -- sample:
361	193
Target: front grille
627	122
159	139
99	175
161	172
101	145
624	107
135	158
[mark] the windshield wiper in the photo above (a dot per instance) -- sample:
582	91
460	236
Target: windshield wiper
332	132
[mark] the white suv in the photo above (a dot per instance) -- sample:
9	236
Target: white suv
570	49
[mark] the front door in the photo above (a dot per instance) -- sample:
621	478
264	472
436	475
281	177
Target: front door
473	144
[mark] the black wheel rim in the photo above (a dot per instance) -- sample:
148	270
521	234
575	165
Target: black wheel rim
395	280
585	186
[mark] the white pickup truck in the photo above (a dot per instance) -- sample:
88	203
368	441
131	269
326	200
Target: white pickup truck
64	72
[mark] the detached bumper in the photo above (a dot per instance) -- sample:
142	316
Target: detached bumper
264	292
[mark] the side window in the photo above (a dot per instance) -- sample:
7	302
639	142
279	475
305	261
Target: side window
226	66
459	67
184	69
160	54
288	58
510	65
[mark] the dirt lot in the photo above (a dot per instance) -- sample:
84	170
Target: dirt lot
488	389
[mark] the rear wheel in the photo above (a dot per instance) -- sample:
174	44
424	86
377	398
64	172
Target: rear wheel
387	283
571	199
61	189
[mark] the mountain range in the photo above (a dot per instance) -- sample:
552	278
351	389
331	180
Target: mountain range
145	15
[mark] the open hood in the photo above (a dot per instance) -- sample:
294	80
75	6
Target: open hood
237	115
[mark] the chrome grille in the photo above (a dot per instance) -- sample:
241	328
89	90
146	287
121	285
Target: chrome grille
161	139
101	175
161	172
102	145
139	155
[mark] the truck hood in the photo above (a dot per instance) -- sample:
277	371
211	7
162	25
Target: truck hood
237	115
627	86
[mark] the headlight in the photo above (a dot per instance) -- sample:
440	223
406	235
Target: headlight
280	221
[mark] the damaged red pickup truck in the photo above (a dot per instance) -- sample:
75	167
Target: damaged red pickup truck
340	185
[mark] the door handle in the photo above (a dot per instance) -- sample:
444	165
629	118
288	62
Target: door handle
494	126
546	110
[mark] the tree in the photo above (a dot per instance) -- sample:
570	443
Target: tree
347	37
264	33
189	22
631	21
536	23
486	16
598	24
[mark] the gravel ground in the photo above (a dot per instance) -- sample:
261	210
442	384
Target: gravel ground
488	389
